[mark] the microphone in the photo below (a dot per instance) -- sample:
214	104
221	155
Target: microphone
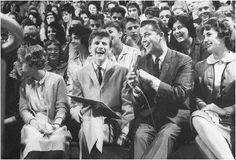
137	91
135	64
135	88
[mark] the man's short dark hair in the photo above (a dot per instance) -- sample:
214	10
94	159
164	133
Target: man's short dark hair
84	11
118	9
157	24
113	24
130	19
99	33
165	8
153	10
97	17
50	13
68	8
78	19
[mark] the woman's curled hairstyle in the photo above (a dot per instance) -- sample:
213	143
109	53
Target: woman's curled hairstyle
222	28
186	20
35	56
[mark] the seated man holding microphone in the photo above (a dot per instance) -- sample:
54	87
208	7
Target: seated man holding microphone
161	86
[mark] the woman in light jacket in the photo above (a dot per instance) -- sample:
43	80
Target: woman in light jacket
214	121
43	107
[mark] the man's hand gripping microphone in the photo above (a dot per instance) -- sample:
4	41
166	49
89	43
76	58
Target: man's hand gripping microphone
134	75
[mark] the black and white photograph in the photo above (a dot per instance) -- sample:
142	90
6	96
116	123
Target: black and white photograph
118	79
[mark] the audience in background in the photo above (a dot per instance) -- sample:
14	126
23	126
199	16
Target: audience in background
133	9
94	7
85	14
96	21
184	32
54	54
118	14
121	53
67	14
63	28
132	32
151	12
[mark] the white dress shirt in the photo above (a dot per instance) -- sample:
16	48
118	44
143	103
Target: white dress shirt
103	66
127	57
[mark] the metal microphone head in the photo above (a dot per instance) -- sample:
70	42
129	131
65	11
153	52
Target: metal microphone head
137	88
135	65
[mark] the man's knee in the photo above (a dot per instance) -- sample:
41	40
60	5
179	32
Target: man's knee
140	136
171	131
144	134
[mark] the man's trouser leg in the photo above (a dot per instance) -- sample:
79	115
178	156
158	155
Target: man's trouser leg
162	146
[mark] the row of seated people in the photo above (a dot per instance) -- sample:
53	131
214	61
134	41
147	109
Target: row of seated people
152	95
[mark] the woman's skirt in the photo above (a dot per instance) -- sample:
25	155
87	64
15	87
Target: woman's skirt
224	124
33	140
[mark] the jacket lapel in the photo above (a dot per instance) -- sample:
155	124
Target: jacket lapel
92	73
108	72
166	65
149	64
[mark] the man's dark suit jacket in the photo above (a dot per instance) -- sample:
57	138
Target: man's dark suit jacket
170	100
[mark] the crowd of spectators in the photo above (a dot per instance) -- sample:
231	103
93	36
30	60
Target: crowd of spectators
58	39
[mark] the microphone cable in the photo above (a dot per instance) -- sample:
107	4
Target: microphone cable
146	100
134	68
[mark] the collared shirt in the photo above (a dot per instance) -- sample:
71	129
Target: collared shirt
161	58
41	81
127	57
103	66
219	65
155	82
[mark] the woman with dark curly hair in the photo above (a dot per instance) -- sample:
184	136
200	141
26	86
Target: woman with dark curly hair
43	107
52	23
54	31
76	52
184	33
85	14
35	17
214	121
